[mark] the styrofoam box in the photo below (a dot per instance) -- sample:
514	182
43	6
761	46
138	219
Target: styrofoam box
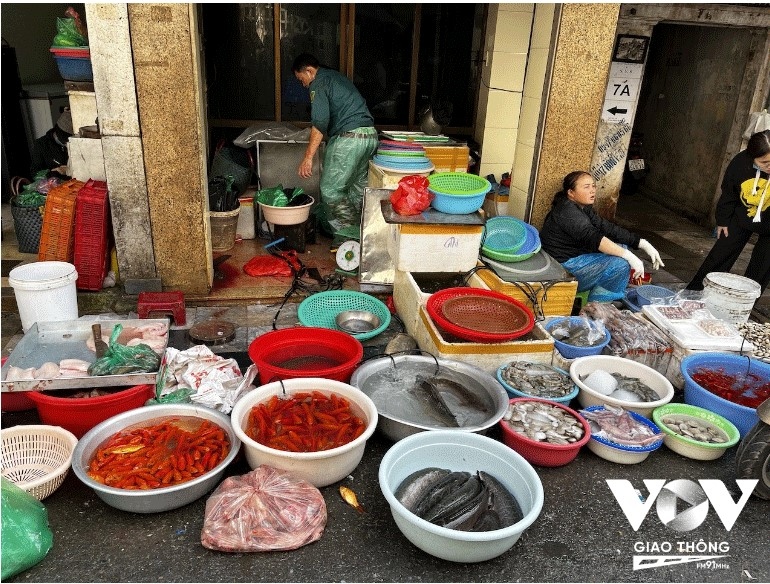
674	370
536	347
383	179
408	297
420	247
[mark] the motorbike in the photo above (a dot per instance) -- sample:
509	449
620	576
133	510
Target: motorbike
753	455
636	169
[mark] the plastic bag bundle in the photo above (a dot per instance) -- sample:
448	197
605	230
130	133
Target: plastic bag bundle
198	375
265	510
121	359
26	537
582	332
411	196
67	34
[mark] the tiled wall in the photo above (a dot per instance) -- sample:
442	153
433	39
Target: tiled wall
516	54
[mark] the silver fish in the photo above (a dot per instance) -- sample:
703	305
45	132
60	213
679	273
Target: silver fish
537	379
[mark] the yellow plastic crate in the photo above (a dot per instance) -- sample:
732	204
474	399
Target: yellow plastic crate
448	158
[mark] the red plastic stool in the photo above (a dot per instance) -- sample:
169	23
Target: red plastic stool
168	302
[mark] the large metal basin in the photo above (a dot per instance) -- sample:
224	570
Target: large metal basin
396	425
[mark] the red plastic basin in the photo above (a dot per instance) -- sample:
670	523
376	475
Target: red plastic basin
305	352
79	415
544	453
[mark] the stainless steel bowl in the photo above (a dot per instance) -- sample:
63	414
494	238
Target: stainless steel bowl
357	321
395	427
152	500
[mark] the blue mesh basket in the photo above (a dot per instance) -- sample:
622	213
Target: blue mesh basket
321	310
530	247
504	234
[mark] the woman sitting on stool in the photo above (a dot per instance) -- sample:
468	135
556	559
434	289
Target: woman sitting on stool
592	248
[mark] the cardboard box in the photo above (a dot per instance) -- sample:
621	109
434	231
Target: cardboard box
536	346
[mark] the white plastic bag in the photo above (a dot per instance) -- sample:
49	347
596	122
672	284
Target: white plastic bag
758	122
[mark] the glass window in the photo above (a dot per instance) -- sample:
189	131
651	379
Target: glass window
383	59
239	57
306	28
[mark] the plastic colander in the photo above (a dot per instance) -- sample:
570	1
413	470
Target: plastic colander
321	310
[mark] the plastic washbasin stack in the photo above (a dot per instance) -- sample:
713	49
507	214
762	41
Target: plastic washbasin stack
508	239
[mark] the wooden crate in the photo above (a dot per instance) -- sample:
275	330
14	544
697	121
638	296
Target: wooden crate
559	297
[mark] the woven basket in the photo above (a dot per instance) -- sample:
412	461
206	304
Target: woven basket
37	458
27	223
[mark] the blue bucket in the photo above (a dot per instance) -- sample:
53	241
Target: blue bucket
695	394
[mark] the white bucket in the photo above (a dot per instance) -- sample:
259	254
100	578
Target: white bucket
45	291
730	297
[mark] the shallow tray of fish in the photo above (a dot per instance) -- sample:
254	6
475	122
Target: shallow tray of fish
52	342
414	393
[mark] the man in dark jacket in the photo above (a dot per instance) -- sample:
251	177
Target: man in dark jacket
338	111
49	152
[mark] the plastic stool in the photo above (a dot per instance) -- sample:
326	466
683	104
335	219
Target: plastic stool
168	302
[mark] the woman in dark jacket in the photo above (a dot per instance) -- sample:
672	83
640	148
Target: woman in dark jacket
593	249
742	210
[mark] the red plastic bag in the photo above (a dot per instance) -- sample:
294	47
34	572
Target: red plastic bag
271	265
411	196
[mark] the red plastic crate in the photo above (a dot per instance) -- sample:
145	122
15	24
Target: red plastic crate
57	235
92	235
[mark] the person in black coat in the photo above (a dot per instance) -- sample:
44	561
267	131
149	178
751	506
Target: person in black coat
49	152
592	248
742	210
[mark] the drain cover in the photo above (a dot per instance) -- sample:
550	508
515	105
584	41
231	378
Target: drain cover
212	332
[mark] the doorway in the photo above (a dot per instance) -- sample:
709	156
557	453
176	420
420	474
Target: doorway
688	104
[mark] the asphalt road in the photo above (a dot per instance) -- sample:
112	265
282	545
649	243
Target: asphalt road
581	535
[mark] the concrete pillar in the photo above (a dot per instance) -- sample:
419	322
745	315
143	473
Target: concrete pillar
169	90
113	66
584	44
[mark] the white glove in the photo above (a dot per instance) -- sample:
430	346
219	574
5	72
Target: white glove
647	248
636	264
